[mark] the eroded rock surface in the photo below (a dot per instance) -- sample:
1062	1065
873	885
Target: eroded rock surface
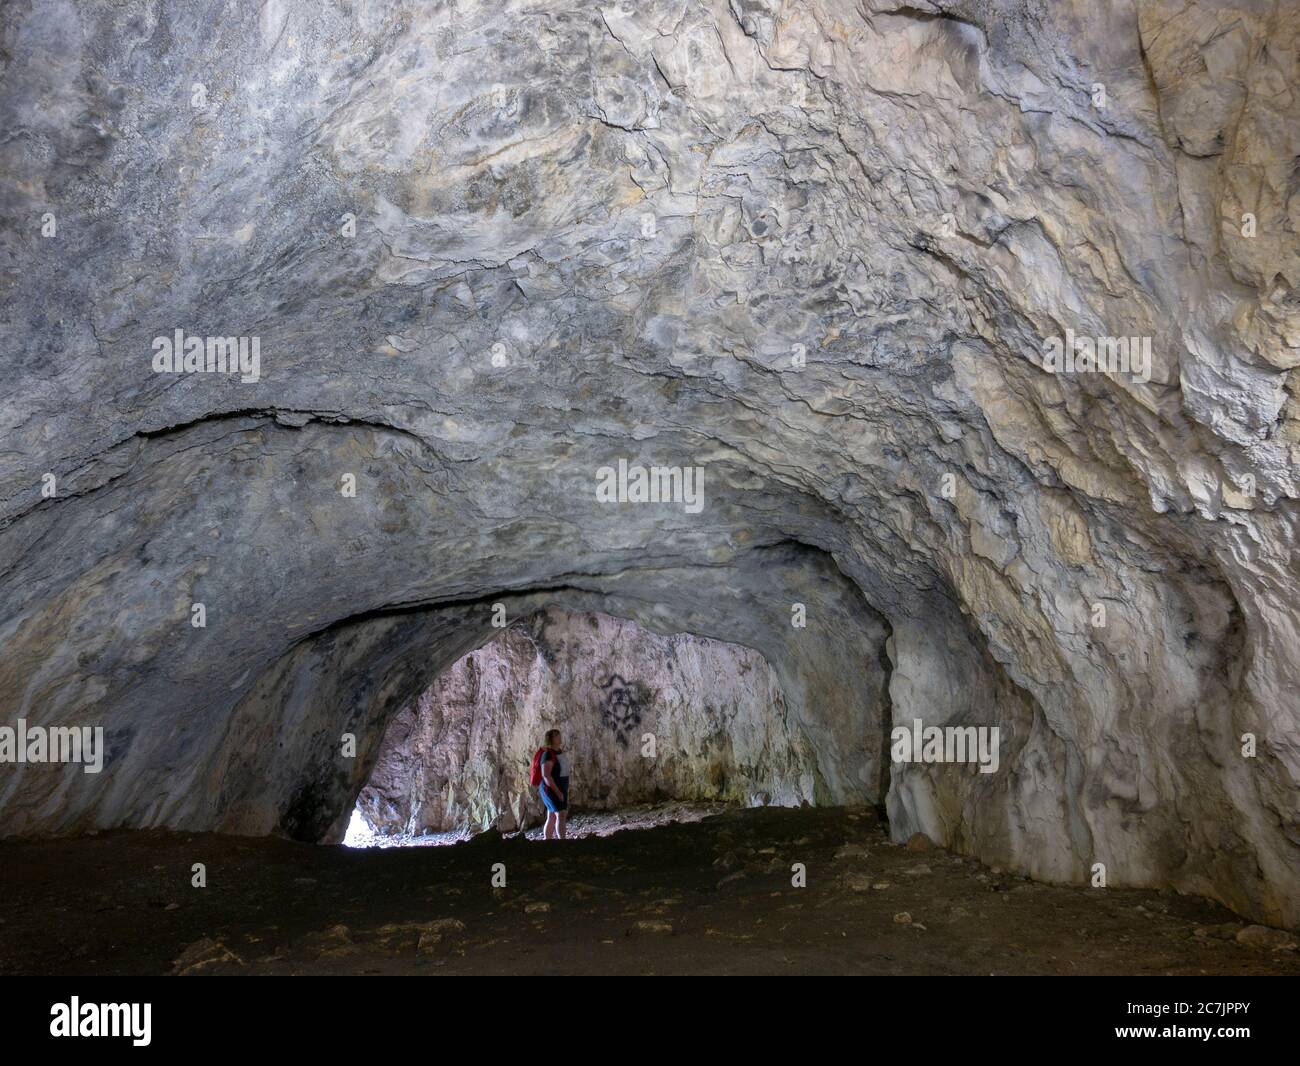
814	248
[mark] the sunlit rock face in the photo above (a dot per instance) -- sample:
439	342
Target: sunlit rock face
818	250
643	717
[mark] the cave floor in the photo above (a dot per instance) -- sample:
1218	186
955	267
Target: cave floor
581	824
713	896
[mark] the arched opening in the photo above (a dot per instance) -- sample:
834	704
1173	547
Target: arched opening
941	355
657	727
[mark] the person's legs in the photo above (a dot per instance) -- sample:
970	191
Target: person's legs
563	806
552	817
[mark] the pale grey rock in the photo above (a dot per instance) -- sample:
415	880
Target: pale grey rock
1261	936
588	233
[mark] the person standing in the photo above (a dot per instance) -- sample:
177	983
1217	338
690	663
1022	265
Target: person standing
553	794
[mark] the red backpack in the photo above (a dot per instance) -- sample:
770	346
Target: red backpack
535	772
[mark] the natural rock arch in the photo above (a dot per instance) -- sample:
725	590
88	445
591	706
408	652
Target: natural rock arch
815	250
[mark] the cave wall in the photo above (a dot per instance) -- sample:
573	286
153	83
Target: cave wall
457	756
814	248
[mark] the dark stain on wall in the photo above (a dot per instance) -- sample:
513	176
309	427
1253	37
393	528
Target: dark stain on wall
621	706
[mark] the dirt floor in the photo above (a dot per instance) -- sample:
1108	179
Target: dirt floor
710	896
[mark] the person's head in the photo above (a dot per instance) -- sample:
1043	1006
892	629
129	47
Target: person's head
552	738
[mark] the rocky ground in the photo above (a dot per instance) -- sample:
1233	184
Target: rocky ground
710	896
588	824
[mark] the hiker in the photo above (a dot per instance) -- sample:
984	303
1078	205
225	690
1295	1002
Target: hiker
550	775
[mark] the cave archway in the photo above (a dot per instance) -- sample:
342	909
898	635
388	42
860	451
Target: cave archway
646	719
789	603
818	261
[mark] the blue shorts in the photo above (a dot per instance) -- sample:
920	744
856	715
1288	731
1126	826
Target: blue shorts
555	804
